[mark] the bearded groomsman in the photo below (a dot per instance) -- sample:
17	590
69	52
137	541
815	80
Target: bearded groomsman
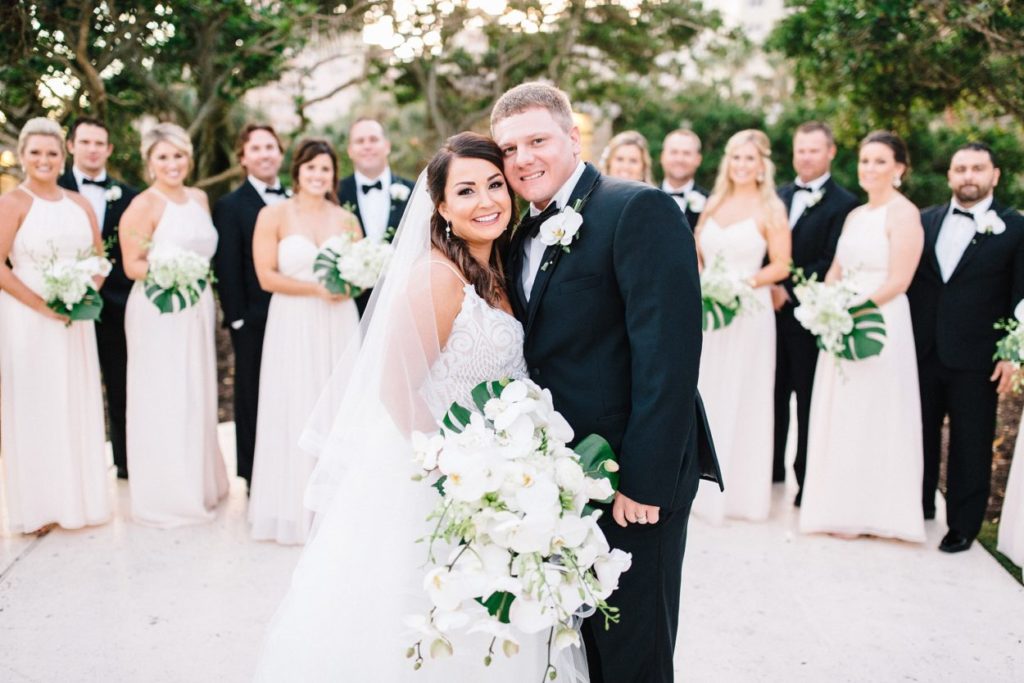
817	207
971	274
680	159
372	192
243	300
90	148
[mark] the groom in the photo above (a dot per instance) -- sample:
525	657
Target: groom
613	330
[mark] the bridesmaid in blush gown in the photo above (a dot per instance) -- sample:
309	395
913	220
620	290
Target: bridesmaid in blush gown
51	410
178	474
743	223
308	328
864	455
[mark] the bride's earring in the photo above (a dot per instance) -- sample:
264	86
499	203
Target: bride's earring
896	182
448	231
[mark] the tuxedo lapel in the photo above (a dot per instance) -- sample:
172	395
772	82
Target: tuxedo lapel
552	255
350	200
514	284
977	242
251	195
932	225
68	181
786	195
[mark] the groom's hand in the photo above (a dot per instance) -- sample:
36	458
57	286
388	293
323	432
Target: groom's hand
626	511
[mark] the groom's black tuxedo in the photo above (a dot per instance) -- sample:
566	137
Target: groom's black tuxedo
242	298
613	330
814	245
348	195
111	345
955	339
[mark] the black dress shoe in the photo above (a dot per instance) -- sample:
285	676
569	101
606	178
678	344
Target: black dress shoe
955	542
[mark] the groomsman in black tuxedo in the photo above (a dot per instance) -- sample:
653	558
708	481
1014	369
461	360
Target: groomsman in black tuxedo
680	159
243	301
613	330
372	192
817	208
971	274
90	148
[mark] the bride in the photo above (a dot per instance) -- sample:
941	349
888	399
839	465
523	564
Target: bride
439	324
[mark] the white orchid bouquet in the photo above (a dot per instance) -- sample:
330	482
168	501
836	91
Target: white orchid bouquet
176	277
347	266
523	551
69	287
724	295
845	329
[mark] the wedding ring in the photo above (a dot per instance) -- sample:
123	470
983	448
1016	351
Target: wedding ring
642	519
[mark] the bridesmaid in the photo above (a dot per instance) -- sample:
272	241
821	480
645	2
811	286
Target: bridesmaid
744	225
51	410
627	156
178	474
308	328
864	451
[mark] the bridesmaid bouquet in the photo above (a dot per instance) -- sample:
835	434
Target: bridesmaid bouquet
844	330
69	288
724	295
527	553
176	277
348	266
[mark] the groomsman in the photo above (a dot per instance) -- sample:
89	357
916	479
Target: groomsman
817	207
90	148
243	301
373	193
971	274
680	159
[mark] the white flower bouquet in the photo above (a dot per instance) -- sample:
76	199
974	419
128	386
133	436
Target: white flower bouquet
176	277
724	295
69	288
523	551
1011	347
846	330
347	266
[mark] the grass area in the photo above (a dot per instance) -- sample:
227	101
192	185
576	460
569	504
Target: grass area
987	538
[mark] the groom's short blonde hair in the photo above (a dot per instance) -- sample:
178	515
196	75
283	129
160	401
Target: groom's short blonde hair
534	95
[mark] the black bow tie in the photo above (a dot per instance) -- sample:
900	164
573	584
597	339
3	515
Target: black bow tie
275	190
377	185
531	224
102	183
961	212
677	194
804	188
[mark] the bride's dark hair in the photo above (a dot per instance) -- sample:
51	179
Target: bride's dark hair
488	281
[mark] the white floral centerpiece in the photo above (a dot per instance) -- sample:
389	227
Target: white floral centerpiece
522	549
176	277
845	329
724	295
347	266
69	287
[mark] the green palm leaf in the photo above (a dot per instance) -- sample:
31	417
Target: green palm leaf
868	336
716	315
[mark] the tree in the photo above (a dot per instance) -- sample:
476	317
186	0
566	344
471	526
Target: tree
885	58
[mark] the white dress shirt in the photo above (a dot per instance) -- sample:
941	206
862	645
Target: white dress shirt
799	205
269	198
684	190
955	233
533	248
375	205
96	194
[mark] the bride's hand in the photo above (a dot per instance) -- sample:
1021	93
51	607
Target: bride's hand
626	511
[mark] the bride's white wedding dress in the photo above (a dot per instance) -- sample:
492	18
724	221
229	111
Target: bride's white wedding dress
362	572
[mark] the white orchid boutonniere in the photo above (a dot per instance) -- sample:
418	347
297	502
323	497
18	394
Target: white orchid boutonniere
813	198
989	223
113	193
562	229
695	201
399	192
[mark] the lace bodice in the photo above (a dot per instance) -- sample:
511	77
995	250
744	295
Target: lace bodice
485	344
